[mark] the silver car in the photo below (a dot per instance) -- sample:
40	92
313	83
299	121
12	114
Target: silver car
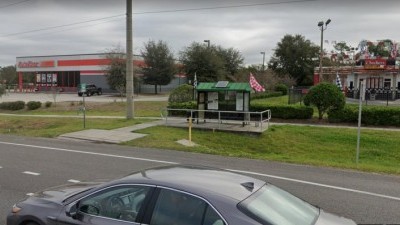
176	195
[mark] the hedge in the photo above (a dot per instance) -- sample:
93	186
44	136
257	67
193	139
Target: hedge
32	105
284	111
371	115
181	105
14	106
266	95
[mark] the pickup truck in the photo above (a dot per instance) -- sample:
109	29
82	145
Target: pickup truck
91	89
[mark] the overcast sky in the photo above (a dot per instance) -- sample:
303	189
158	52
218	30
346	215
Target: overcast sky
63	27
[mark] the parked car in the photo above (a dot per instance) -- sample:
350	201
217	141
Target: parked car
90	90
180	195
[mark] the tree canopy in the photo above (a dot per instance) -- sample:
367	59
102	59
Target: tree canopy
212	63
160	64
116	70
295	56
8	74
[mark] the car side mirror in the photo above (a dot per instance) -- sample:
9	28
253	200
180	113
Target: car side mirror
72	211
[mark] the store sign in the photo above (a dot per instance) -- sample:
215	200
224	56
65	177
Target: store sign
32	64
375	64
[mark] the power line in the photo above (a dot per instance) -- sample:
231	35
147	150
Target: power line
155	12
61	26
12	4
224	7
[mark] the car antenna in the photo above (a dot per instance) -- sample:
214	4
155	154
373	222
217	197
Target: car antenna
248	185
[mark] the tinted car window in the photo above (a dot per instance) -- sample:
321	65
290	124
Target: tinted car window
121	203
271	205
178	208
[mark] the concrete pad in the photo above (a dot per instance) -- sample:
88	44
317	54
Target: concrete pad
106	136
187	143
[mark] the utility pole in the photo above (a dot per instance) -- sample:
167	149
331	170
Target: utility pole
129	61
263	67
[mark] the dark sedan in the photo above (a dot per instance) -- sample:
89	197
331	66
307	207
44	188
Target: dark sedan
178	195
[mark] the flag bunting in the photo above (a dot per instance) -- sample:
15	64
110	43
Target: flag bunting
255	85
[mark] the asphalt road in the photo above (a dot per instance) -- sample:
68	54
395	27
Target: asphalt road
28	165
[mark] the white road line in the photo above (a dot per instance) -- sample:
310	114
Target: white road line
239	171
31	173
318	184
73	181
30	194
1	167
88	153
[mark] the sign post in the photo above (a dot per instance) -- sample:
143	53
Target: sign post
82	88
362	97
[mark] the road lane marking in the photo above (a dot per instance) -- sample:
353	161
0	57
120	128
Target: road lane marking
73	181
317	184
1	167
30	194
31	173
89	153
233	170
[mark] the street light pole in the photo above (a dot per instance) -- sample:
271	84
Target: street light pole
208	43
263	53
322	26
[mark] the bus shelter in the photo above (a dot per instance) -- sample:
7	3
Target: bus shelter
230	100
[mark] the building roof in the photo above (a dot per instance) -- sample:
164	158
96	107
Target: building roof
244	87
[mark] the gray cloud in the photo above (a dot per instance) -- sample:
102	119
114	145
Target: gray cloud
248	29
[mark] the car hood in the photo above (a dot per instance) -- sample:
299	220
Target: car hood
60	193
331	219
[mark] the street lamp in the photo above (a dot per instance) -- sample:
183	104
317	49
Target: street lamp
208	42
263	53
322	26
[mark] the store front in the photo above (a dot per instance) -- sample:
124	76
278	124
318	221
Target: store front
381	76
63	72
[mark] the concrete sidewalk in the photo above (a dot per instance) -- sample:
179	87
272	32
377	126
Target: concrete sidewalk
115	136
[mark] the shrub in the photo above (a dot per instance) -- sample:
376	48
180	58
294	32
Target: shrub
181	105
183	93
48	104
371	115
32	105
284	111
17	105
325	97
281	88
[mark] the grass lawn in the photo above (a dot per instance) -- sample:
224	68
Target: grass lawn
320	146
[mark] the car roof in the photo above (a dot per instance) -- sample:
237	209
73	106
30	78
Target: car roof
198	180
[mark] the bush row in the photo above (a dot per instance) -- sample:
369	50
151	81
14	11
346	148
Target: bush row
284	111
262	95
18	105
181	105
371	115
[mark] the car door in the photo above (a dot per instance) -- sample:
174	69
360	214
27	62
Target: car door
180	208
116	205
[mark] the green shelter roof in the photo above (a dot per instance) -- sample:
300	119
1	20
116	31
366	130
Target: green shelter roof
210	87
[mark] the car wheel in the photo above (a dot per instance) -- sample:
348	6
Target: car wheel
99	93
88	94
80	94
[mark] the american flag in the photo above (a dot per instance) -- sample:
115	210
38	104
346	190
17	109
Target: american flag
338	81
255	85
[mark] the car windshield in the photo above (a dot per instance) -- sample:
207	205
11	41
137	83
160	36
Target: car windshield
271	205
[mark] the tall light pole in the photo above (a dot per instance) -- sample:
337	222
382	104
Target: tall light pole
322	26
208	42
129	61
263	53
